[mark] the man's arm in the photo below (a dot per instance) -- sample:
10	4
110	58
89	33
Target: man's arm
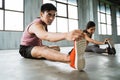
40	32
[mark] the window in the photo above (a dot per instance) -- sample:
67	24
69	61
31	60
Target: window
70	12
15	23
0	3
118	21
64	1
11	15
61	10
65	20
74	2
104	19
1	15
1	19
62	24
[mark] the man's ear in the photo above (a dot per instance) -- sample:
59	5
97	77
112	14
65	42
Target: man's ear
41	13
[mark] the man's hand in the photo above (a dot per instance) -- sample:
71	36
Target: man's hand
75	35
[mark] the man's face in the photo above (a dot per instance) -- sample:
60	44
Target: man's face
48	16
91	30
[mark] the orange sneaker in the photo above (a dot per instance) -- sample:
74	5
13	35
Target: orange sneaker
77	59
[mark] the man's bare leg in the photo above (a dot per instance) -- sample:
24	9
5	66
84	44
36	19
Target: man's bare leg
57	48
50	54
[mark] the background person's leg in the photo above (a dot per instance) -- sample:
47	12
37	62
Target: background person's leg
95	48
88	48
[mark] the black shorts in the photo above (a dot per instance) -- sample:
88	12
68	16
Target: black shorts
25	51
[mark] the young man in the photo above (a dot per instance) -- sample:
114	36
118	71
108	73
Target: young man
31	42
88	32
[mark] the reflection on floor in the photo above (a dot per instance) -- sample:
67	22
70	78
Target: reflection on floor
98	67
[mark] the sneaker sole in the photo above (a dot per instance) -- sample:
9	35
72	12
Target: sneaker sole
111	45
80	47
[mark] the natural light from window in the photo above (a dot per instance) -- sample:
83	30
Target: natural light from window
11	15
118	21
64	1
73	24
14	5
74	2
72	14
62	25
104	19
67	15
0	3
13	20
62	8
1	19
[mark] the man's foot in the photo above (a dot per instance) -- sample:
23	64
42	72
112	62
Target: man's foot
77	59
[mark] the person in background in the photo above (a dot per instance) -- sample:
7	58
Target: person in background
88	32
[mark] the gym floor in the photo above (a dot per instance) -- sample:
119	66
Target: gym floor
98	67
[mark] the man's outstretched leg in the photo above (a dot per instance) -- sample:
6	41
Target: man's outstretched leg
49	54
75	57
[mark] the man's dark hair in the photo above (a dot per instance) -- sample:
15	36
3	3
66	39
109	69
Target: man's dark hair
90	24
48	7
